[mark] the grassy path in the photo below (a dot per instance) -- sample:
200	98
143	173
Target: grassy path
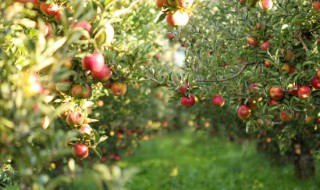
193	161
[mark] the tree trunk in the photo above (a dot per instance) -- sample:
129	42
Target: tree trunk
304	164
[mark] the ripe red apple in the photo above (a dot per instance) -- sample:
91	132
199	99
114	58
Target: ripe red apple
183	90
254	88
276	93
119	89
103	75
318	121
34	2
252	41
289	55
242	2
86	129
58	16
170	36
316	6
273	102
188	101
315	82
267	63
293	89
266	4
304	92
161	3
244	112
79	91
265	45
177	18
74	119
80	150
218	100
185	3
293	69
94	62
49	9
285	117
83	24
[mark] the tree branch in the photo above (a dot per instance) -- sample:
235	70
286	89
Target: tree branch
303	44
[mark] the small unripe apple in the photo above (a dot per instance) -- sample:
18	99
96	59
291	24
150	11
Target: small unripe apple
161	3
218	100
86	129
252	41
276	93
285	117
304	92
266	4
119	89
49	9
80	150
75	119
103	75
177	18
265	46
315	82
94	62
187	101
244	112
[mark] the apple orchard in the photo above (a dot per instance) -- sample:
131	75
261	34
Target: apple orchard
84	82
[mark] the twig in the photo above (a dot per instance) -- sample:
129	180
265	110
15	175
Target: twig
303	44
229	78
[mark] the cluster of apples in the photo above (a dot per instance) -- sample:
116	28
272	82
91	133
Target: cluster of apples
264	4
177	11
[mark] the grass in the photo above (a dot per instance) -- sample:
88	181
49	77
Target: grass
194	161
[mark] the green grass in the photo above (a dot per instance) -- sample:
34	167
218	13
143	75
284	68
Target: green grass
194	161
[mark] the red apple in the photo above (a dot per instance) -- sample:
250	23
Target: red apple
104	74
161	3
49	9
254	88
119	89
218	100
244	112
86	129
185	3
289	55
265	46
318	121
273	102
183	90
242	2
267	63
285	117
318	73
293	90
34	2
83	24
293	69
276	93
188	101
252	41
316	6
266	4
79	91
304	92
315	82
58	16
170	36
94	62
75	119
177	18
80	150
285	67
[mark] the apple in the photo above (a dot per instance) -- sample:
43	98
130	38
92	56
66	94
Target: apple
177	18
285	67
252	41
105	36
276	93
293	89
244	112
289	55
161	3
285	117
49	9
315	82
265	45
266	4
293	69
80	150
267	63
79	91
85	129
254	88
316	6
185	3
34	2
309	120
183	44
118	89
273	102
218	100
58	16
183	90
94	62
318	121
75	119
83	24
103	75
242	2
170	36
188	101
158	56
304	92
318	74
